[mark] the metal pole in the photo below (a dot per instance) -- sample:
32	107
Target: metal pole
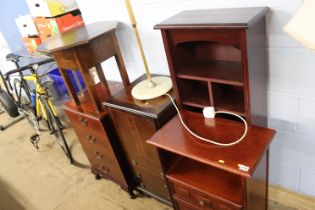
134	26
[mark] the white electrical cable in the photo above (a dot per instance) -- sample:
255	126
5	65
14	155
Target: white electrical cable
209	140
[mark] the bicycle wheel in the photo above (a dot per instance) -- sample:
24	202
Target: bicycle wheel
55	127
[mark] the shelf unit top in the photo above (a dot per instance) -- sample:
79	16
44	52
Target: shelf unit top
174	138
215	18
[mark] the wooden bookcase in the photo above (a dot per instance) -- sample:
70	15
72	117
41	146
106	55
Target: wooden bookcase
217	58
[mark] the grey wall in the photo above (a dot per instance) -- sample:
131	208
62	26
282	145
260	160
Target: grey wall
9	10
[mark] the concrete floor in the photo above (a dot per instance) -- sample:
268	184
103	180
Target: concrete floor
44	180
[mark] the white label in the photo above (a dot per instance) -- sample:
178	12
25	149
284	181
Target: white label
243	167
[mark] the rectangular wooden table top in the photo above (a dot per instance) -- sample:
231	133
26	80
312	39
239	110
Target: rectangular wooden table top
240	159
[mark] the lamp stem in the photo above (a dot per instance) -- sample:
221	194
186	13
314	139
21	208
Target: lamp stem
134	26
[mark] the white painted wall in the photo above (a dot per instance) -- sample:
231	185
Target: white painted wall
291	69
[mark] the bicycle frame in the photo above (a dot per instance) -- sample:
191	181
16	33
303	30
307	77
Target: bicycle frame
39	107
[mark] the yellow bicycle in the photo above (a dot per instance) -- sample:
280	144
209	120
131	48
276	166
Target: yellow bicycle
36	105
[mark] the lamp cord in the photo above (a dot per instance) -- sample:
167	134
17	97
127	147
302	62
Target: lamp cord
209	140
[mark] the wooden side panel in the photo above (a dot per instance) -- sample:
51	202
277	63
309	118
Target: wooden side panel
133	132
257	186
258	72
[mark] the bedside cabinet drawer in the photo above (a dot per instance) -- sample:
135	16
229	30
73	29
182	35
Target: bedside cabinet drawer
181	191
199	199
183	205
85	122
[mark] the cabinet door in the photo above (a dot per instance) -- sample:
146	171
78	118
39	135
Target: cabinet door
133	132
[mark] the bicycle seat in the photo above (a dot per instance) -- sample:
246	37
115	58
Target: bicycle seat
12	57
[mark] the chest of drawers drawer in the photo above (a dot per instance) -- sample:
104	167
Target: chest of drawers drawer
104	163
92	140
79	119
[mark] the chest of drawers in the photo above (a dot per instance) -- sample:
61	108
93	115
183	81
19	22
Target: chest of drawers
135	122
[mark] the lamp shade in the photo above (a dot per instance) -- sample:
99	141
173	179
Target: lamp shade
302	26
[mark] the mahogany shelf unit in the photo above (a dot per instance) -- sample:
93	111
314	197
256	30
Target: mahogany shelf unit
217	58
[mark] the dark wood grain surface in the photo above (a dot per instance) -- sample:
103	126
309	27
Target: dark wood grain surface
174	138
219	18
135	122
123	100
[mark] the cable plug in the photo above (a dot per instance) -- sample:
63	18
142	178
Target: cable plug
208	112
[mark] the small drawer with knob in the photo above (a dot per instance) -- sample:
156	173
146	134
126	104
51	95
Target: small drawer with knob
85	121
93	140
105	163
202	201
199	199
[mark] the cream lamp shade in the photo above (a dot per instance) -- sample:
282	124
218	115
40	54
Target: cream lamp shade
302	26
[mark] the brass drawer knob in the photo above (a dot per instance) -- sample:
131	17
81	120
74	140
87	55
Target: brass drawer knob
142	185
83	121
201	203
138	175
162	175
105	170
133	162
98	155
91	139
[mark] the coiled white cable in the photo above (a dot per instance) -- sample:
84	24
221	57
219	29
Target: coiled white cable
209	140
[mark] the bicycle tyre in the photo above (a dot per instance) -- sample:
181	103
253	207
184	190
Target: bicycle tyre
56	128
8	104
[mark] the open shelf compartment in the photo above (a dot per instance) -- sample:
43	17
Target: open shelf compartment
228	98
194	93
208	61
214	183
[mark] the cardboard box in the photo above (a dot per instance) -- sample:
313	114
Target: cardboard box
48	27
44	27
32	43
26	26
51	8
67	22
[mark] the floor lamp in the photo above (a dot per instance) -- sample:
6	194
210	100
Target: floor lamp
152	87
302	26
